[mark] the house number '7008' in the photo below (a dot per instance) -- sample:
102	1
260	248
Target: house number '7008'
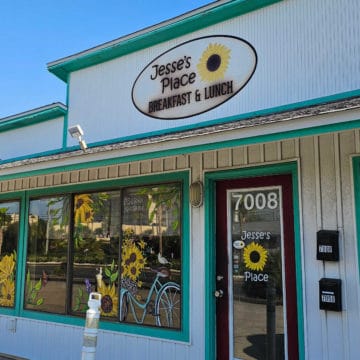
259	201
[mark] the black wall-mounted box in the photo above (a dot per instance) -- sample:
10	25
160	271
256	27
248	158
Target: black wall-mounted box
328	245
330	294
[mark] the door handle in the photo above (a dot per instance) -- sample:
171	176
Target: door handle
218	293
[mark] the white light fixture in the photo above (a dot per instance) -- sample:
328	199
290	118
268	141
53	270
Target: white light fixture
196	194
77	133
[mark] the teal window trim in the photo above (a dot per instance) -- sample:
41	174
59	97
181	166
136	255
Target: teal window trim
18	310
210	243
356	176
17	197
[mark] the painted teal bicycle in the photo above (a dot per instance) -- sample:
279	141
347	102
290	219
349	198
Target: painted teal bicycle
163	302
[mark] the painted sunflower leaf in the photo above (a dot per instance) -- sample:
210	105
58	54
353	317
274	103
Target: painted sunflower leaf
107	272
76	307
30	288
114	276
38	285
39	301
112	265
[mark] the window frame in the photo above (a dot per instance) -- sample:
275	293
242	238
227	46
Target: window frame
16	197
356	195
109	185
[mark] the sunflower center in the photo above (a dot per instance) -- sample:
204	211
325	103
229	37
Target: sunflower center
254	257
79	203
213	62
132	257
106	304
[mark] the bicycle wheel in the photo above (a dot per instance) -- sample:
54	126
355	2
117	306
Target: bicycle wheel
167	307
123	308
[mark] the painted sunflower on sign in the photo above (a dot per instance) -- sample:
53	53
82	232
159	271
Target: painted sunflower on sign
255	256
214	62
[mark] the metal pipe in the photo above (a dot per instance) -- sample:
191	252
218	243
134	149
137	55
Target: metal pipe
91	327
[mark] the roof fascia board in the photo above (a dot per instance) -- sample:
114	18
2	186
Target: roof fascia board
155	35
32	117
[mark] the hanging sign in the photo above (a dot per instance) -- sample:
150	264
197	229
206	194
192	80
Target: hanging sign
194	77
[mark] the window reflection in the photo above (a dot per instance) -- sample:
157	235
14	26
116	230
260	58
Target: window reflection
96	249
257	289
151	263
124	244
46	263
9	230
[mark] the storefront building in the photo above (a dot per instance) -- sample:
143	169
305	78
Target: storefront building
203	178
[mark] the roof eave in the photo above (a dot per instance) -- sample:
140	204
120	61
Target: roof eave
44	113
168	30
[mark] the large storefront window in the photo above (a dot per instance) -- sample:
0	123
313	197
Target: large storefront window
9	230
47	249
124	244
151	256
96	249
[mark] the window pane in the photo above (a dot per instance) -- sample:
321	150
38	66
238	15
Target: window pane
46	264
151	256
96	248
257	286
9	230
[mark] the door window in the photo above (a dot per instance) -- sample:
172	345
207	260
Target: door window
256	325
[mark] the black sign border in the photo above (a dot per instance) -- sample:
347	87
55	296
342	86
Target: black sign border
184	43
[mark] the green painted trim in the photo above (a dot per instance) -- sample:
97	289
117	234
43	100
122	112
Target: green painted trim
316	130
66	119
24	197
16	197
356	175
322	129
21	254
23	237
223	12
59	319
31	118
210	231
239	117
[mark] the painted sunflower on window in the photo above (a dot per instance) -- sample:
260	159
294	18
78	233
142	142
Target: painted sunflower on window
7	293
83	208
133	260
7	275
109	300
7	265
255	256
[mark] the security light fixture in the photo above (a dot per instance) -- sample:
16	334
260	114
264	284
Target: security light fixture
196	194
77	133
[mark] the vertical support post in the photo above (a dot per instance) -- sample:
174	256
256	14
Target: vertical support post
271	321
91	327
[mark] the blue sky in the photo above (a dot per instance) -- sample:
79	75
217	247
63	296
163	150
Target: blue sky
36	32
